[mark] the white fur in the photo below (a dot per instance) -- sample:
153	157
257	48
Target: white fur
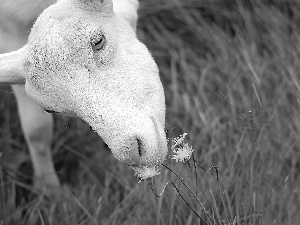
116	90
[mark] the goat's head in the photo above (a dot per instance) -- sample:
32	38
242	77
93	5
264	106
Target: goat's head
82	58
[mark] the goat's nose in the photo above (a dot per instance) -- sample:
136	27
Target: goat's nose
148	145
138	151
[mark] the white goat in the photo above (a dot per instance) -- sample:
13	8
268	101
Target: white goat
84	59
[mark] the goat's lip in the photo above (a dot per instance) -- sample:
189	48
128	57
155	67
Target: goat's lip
136	168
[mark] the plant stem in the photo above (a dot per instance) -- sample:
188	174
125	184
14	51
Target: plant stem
150	183
189	191
196	175
187	203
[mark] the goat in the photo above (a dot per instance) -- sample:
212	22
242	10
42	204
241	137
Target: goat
83	58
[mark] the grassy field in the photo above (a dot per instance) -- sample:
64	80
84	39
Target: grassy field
218	59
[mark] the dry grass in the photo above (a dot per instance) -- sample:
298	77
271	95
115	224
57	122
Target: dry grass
218	60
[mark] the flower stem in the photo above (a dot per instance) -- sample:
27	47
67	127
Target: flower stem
196	174
188	203
150	183
181	180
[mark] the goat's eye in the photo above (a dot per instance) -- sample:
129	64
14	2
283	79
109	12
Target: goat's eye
98	43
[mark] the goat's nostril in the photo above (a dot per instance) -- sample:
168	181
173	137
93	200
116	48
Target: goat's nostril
139	143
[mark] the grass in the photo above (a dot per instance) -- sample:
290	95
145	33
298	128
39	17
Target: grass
218	60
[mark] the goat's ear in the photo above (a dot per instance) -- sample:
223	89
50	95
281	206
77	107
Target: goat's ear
128	10
11	67
103	6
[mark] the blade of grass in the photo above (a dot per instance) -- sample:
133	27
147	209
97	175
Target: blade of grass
206	212
215	206
178	191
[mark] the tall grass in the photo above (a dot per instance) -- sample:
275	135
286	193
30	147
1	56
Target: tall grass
218	60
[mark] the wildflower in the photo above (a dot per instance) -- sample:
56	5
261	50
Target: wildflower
178	141
183	153
146	172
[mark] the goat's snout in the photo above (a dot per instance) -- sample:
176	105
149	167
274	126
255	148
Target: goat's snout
149	148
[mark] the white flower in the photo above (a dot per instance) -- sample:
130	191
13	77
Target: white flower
178	141
146	172
183	153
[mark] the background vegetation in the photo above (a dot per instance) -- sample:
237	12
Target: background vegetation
218	60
